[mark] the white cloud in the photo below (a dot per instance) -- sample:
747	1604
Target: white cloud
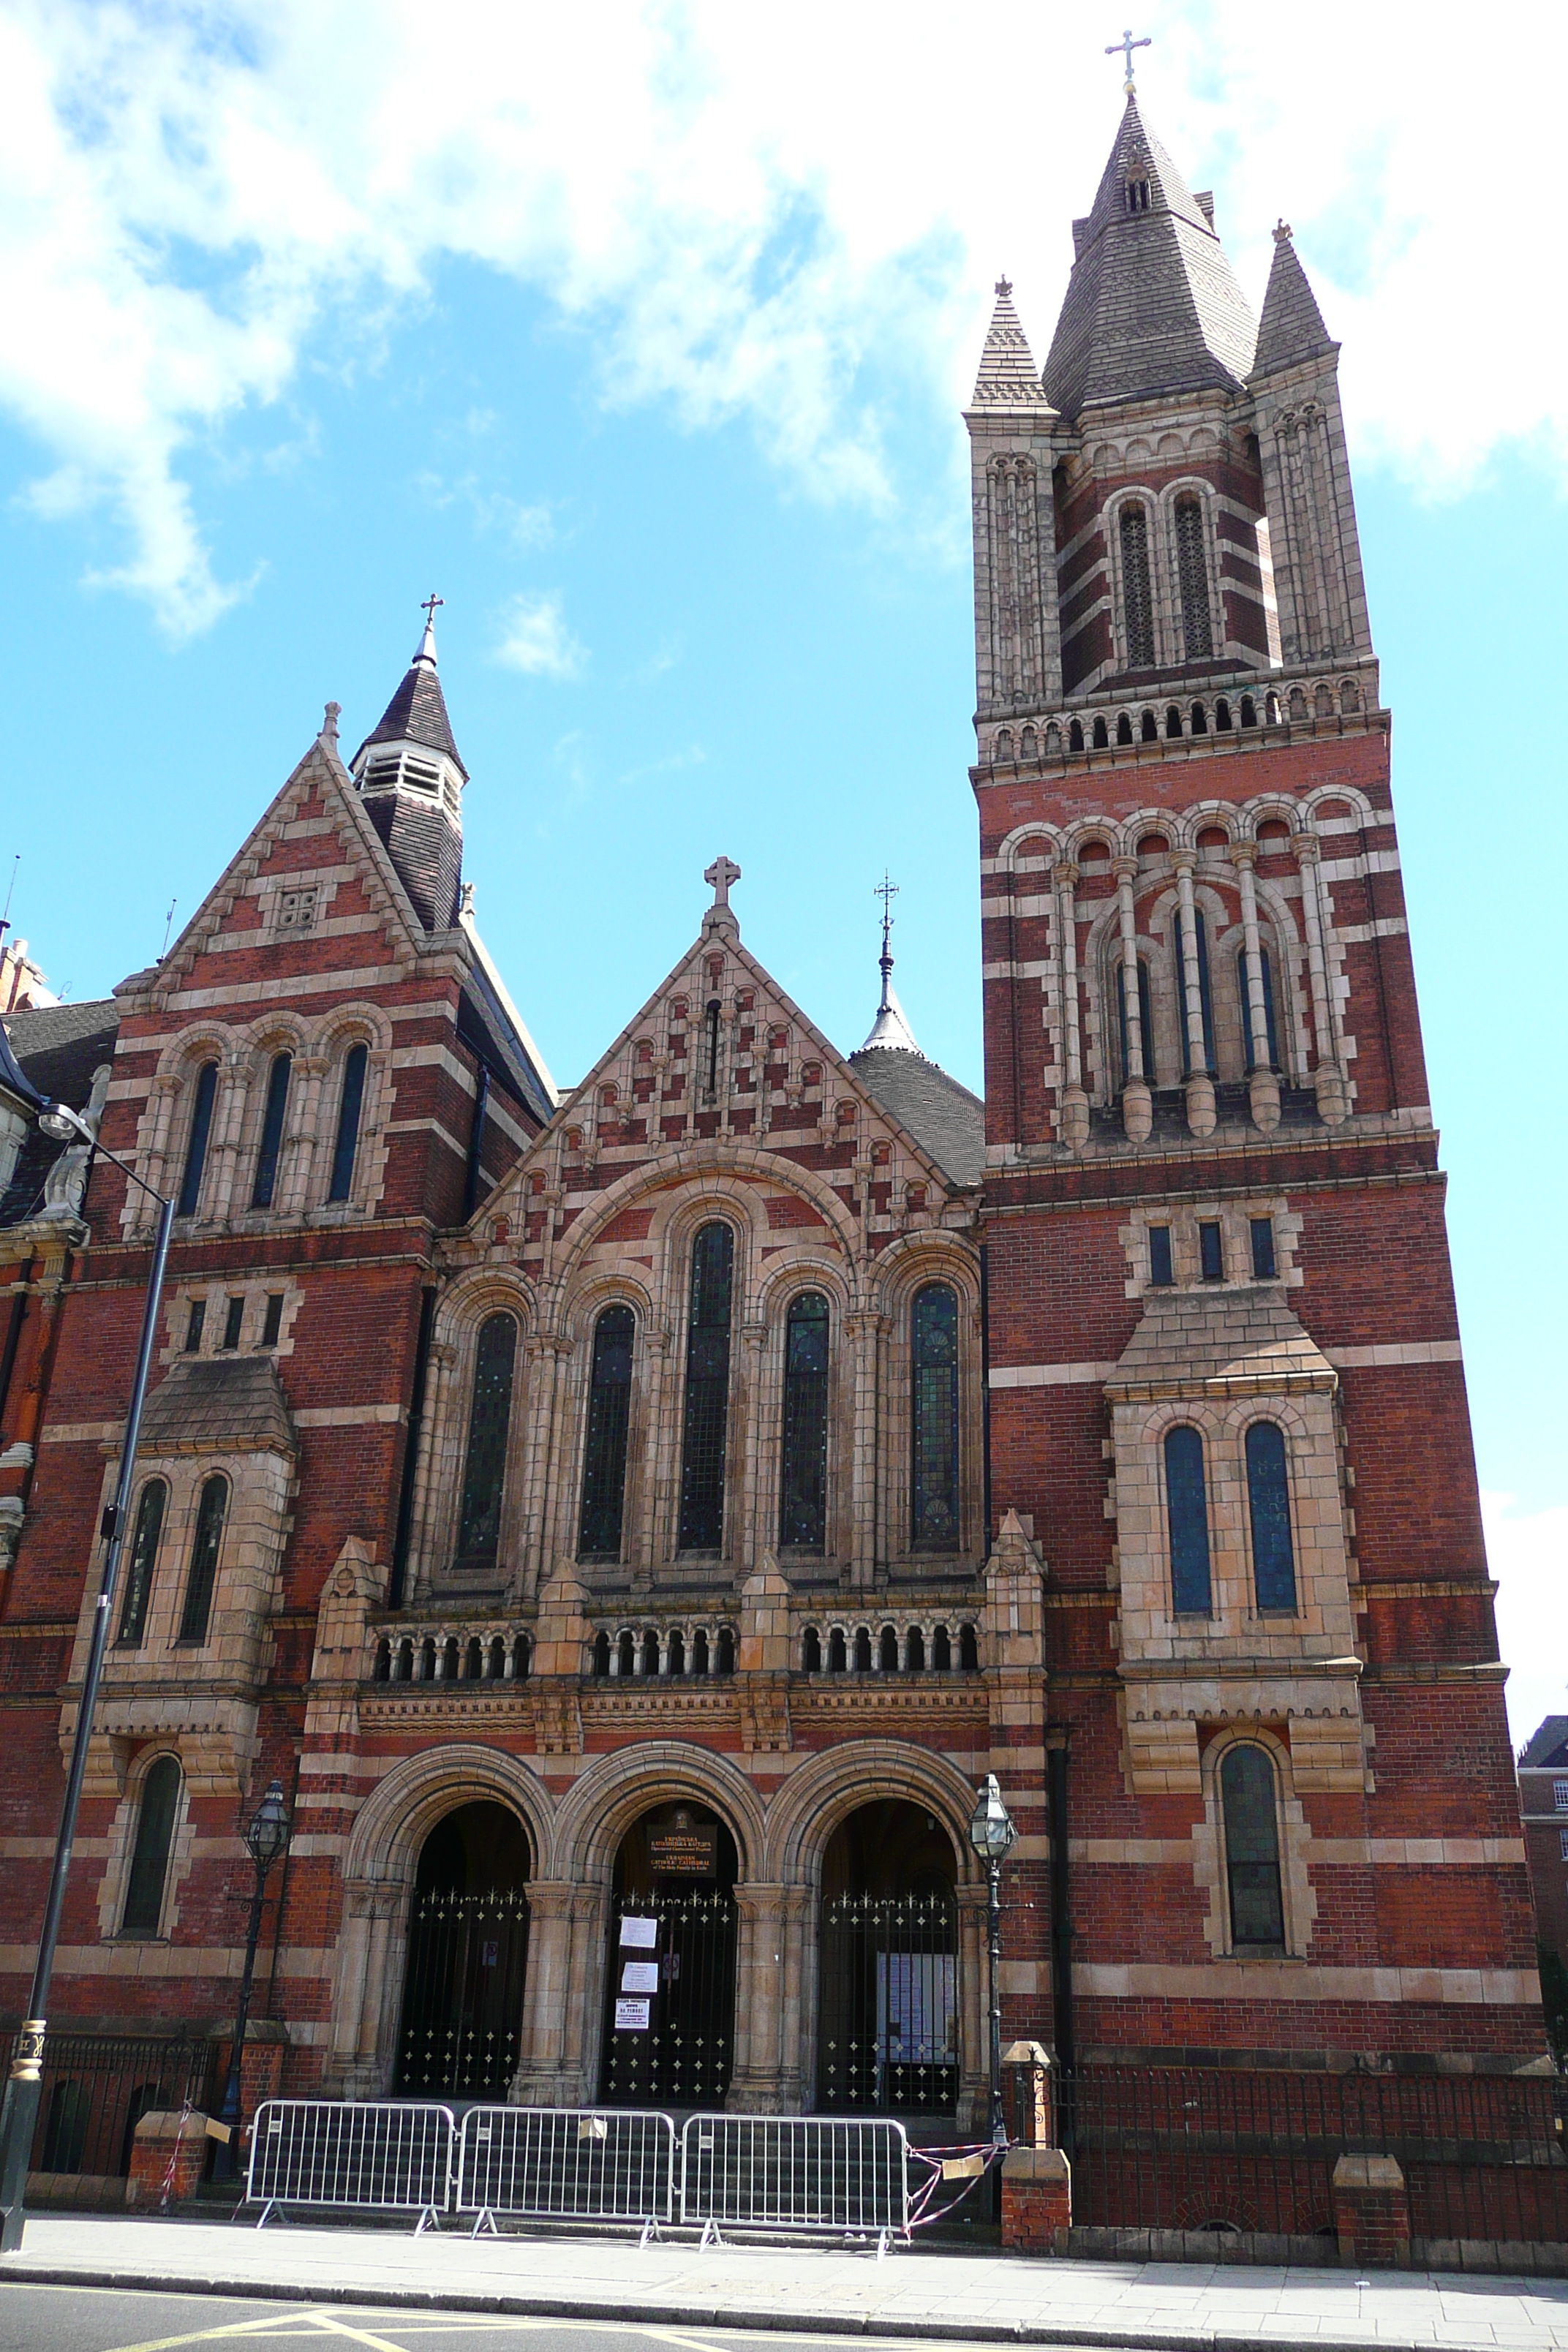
534	638
1529	1556
796	225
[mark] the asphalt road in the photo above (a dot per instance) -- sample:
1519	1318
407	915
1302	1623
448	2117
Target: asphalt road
103	2319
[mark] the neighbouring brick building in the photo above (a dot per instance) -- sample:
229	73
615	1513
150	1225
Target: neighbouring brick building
629	1524
1543	1810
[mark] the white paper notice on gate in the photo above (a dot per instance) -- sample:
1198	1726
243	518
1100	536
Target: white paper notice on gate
639	1976
631	2016
642	1935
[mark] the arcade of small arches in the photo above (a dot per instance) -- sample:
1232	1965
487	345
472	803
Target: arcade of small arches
687	1649
1123	726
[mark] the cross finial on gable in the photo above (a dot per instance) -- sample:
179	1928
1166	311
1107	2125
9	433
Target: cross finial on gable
722	874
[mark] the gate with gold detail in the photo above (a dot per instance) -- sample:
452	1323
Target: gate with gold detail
463	2009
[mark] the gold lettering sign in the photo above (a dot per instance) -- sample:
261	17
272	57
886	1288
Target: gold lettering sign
687	1850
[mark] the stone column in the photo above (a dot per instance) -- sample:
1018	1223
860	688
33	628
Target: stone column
1329	1076
863	1330
547	1993
541	1359
434	1456
298	1187
143	1213
1137	1103
224	1148
1074	1123
368	1992
1200	1086
1263	1088
754	2084
973	2015
751	1538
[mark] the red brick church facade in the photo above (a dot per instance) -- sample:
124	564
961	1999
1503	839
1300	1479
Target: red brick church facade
671	1499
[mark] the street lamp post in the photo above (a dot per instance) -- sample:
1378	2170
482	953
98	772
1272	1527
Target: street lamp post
991	1833
267	1836
18	2116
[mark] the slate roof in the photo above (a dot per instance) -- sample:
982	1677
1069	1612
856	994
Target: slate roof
57	1047
219	1404
417	711
1218	1342
483	1024
1547	1744
946	1120
1152	306
1291	327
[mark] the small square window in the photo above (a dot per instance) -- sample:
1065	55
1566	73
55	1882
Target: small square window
1560	1795
198	1317
296	910
1210	1255
1160	1255
1562	1835
232	1322
272	1322
1262	1229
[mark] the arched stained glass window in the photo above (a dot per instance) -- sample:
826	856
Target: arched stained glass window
150	1855
1270	1032
1137	603
351	1102
933	1502
1145	1020
484	1468
802	1503
212	1509
604	1450
144	1543
1268	1502
1252	1850
1192	571
1188	1515
205	1094
707	1389
266	1182
1205	994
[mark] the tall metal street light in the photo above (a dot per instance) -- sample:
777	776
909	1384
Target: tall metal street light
267	1836
18	2117
991	1833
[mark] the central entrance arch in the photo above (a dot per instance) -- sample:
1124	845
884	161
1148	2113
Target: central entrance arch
888	2039
669	2013
467	1952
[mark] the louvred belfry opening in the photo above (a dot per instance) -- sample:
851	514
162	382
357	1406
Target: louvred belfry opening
412	778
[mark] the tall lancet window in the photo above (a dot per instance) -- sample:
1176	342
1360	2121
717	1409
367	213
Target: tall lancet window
1269	1506
1252	1850
1187	1518
212	1509
150	1854
266	1182
1137	603
346	1143
197	1143
707	1391
803	1501
143	1558
934	1485
1193	577
605	1452
490	1419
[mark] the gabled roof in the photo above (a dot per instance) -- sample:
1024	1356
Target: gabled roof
1007	370
219	1404
946	1120
56	1050
1547	1744
1218	1343
1152	306
417	711
1291	327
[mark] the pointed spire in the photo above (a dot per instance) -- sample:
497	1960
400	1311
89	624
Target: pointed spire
1152	305
417	711
1007	370
889	1031
1291	328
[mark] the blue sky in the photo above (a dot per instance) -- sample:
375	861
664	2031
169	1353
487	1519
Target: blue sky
659	388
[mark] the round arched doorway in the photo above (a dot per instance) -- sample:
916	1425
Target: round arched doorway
888	2018
670	2019
468	1949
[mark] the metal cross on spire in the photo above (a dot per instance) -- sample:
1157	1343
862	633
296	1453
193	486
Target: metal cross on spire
887	891
431	606
1124	48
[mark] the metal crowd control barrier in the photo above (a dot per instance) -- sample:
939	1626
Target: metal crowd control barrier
385	2157
796	2172
566	2164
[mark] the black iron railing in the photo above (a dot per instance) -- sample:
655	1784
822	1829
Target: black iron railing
97	2089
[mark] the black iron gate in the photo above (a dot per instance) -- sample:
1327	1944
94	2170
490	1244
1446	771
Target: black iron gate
887	2029
462	2011
669	2017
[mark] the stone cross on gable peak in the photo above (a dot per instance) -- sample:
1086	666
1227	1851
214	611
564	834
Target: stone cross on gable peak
722	874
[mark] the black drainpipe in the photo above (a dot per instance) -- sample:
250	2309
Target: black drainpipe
411	1452
986	1393
475	1143
1061	1917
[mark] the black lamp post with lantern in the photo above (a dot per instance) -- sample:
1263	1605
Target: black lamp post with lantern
266	1840
991	1833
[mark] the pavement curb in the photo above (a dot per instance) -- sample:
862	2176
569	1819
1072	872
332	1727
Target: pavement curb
719	2319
